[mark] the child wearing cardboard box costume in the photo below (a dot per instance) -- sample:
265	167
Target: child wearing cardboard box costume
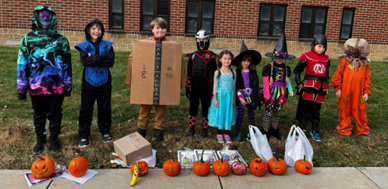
276	86
97	56
199	83
313	88
159	29
351	81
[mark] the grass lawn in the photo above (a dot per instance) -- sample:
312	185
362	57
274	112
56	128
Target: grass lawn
17	136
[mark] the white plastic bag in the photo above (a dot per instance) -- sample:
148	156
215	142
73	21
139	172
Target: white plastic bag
260	143
297	146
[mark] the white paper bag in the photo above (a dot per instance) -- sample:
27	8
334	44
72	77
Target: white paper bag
260	143
297	146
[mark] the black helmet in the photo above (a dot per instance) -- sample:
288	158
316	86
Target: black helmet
202	34
319	39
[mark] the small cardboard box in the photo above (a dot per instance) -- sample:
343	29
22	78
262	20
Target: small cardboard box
132	148
156	72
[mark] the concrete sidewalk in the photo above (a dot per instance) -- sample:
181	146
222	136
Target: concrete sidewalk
334	177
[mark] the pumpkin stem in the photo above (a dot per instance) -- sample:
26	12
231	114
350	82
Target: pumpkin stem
172	156
222	158
41	158
304	158
260	160
277	158
202	156
238	159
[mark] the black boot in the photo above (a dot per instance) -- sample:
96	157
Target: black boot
142	132
39	146
55	144
158	135
275	133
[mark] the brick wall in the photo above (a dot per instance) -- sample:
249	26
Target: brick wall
235	20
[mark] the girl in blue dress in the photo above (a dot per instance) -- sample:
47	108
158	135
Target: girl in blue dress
222	112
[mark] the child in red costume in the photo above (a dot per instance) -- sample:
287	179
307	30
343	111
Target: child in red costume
352	83
313	88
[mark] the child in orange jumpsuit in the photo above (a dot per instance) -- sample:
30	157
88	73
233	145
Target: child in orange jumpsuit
352	83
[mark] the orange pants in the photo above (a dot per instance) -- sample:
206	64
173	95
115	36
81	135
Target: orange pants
352	106
145	113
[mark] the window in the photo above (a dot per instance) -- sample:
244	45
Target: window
116	18
151	9
272	19
312	21
347	23
199	15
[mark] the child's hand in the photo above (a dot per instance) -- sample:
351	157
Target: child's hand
242	101
216	104
291	93
338	93
248	101
365	98
89	54
300	87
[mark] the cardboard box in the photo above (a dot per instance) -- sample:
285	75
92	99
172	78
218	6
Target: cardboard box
132	147
153	84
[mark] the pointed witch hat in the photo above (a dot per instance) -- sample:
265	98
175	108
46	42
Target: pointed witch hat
255	55
280	51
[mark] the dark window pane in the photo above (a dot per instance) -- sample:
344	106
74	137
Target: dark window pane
146	22
304	30
163	7
345	32
306	15
348	17
277	28
207	24
192	9
279	14
117	6
192	24
264	28
117	20
148	7
320	16
207	10
318	29
265	13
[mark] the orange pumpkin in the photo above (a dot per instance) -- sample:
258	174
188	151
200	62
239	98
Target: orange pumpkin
303	166
172	167
201	168
78	167
239	168
258	167
277	166
43	167
143	168
221	167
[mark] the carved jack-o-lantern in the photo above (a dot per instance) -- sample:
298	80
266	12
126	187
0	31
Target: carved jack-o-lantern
43	167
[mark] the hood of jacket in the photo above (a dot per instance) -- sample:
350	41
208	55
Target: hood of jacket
87	35
35	22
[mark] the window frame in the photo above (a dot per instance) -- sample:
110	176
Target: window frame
110	15
154	14
199	21
351	25
271	19
312	23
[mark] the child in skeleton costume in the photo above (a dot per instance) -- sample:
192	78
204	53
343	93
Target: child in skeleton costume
44	69
313	88
199	85
276	86
97	56
351	81
247	86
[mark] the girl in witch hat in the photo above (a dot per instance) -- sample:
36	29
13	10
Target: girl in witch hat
276	86
247	86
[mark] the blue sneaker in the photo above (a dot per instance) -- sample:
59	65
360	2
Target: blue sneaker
316	136
238	137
